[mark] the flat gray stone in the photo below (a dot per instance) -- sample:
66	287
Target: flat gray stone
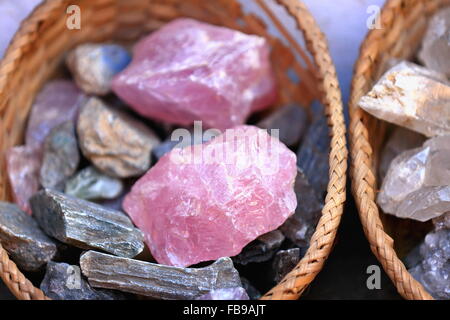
25	242
155	280
85	224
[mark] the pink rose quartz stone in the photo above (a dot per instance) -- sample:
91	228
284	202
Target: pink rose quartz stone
207	201
189	70
58	102
23	165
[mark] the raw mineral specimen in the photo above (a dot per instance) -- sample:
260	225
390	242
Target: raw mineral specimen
59	101
23	164
300	227
61	156
20	235
284	262
425	204
400	140
85	224
91	184
412	97
434	270
155	280
313	155
411	172
435	52
117	144
189	70
213	199
94	65
261	249
236	293
291	121
63	281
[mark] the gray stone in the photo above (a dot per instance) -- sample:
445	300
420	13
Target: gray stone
114	142
435	51
300	227
399	141
25	242
63	281
434	270
261	249
91	184
155	280
313	155
61	156
284	261
291	121
412	97
85	224
236	293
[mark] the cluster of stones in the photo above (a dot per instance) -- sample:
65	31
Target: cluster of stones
95	176
414	166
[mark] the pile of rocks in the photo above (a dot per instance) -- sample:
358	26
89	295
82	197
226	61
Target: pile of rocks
415	162
103	170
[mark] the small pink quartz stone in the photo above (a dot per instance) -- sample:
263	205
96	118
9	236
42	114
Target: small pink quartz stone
207	201
189	70
23	165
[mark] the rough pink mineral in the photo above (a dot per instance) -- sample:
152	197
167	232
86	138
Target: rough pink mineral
208	201
23	164
58	102
190	70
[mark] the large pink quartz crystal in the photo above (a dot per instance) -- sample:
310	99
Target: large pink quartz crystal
58	102
208	201
23	164
190	70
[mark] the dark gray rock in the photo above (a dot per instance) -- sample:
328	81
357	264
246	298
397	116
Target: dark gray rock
61	156
300	227
261	249
284	261
155	280
63	281
252	292
25	242
85	224
313	155
291	121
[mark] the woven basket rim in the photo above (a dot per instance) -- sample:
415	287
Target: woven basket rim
361	171
294	284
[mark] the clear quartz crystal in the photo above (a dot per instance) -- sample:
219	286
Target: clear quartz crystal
416	184
413	97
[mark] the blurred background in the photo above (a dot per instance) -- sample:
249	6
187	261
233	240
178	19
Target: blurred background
345	23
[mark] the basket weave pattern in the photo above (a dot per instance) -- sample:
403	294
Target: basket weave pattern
38	49
403	24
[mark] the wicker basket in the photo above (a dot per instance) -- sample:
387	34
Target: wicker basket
38	49
404	23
